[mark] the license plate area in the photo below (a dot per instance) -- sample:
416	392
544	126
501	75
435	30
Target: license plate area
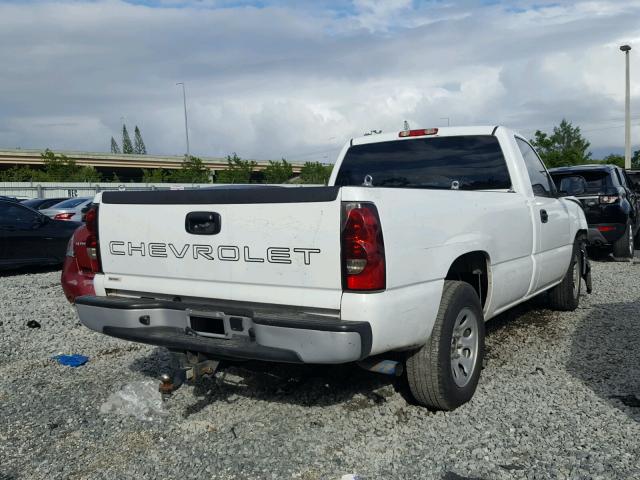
209	325
218	324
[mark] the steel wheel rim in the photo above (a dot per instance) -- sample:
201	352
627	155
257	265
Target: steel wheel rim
464	347
576	278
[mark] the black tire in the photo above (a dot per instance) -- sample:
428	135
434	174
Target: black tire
623	247
429	369
566	295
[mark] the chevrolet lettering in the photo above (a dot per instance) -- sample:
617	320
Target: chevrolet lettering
225	253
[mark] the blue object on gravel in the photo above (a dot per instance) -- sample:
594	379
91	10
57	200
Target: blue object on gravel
74	360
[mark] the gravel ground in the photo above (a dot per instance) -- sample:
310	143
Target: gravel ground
558	398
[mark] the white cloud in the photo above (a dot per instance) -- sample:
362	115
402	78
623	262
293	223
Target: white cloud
297	81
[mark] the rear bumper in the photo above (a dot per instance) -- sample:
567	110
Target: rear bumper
611	233
278	336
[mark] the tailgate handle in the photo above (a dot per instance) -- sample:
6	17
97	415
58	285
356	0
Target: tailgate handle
202	223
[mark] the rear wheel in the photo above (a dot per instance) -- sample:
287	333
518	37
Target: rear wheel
566	295
623	247
443	374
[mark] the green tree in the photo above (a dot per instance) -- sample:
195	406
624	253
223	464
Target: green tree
23	174
315	172
114	146
193	170
127	147
86	174
139	146
60	168
154	175
565	146
614	159
237	171
635	159
278	172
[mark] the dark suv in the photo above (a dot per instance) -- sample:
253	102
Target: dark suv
610	201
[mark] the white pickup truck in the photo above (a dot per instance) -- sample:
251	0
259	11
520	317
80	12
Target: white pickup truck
418	239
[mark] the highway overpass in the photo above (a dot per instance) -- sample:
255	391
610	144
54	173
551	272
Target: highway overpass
101	161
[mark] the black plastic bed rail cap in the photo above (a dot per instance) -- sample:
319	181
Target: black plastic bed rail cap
222	195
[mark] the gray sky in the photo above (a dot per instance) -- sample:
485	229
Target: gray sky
271	79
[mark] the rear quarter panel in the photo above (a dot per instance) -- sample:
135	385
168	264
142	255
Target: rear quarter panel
424	232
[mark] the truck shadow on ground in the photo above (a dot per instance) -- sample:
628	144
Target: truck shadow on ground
305	385
605	355
315	385
609	366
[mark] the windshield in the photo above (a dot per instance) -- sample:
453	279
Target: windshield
71	203
598	181
33	202
473	162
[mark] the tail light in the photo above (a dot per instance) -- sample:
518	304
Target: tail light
63	216
608	198
605	228
93	246
363	262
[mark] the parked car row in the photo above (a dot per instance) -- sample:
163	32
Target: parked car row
611	204
30	238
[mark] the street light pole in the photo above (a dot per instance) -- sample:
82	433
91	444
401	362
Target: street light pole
186	125
627	111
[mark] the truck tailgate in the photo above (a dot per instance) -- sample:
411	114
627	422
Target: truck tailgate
278	244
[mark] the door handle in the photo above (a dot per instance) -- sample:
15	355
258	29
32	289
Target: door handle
544	216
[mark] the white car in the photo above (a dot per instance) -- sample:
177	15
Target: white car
69	209
419	238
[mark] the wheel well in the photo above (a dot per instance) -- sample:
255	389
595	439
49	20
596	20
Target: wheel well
472	268
581	233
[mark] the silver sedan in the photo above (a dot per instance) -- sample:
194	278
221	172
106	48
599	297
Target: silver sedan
70	209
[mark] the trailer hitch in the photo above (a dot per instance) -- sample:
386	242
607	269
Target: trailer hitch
190	367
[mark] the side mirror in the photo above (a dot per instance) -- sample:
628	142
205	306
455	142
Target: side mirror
573	185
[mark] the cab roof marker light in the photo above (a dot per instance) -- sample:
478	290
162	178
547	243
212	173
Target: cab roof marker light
418	133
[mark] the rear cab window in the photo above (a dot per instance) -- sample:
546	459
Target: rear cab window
470	162
598	181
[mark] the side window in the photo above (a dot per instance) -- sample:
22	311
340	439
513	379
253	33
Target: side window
538	175
620	179
11	214
629	181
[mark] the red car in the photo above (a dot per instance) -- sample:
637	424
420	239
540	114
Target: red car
79	265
